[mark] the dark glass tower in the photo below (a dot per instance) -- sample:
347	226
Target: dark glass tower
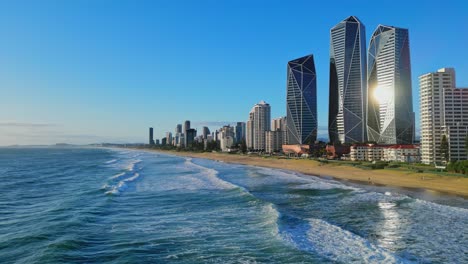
151	138
390	116
301	101
348	82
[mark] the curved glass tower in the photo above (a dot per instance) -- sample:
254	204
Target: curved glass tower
390	116
348	82
301	101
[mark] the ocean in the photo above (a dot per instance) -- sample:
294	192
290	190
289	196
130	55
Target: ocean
96	205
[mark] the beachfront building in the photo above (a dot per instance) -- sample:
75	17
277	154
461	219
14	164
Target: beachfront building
301	101
390	116
151	138
190	135
205	132
226	138
348	82
373	152
169	138
259	122
274	141
444	112
279	124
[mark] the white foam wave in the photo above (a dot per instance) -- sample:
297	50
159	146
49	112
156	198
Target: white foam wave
110	161
131	166
118	175
341	245
206	178
122	185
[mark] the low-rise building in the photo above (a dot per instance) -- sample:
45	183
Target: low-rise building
373	152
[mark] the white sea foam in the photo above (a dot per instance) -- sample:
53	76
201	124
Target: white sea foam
131	166
110	161
118	175
122	185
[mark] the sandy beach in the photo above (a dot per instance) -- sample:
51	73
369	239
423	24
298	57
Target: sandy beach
454	185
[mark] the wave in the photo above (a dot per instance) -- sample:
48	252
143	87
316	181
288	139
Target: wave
110	161
122	185
131	166
206	178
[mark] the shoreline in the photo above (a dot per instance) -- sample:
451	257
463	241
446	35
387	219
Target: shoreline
451	185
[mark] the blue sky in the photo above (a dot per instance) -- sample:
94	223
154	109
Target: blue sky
93	71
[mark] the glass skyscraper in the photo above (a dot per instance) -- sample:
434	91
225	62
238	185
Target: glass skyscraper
348	82
390	116
301	101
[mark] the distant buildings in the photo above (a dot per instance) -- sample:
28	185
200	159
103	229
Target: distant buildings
444	112
301	101
151	138
348	82
390	116
259	122
226	138
190	135
169	138
179	128
205	132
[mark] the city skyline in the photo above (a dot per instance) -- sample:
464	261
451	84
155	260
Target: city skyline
109	74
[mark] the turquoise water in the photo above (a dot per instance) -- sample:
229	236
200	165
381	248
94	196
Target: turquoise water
81	205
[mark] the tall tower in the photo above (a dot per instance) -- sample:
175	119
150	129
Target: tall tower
348	82
301	101
186	125
390	116
444	112
178	128
259	122
151	138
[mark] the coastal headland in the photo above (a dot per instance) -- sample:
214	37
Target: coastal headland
454	185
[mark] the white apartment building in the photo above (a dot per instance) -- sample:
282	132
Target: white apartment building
372	152
274	141
259	122
280	124
226	138
444	111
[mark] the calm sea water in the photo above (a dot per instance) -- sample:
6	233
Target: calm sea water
82	205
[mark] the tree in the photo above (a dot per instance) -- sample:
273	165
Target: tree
243	146
444	148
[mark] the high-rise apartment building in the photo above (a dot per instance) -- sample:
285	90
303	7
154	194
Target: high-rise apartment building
259	122
444	112
279	124
301	101
205	132
178	128
186	126
348	82
390	116
169	138
274	141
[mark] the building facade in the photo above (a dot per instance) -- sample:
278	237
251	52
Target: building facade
259	122
240	132
348	82
226	138
274	141
444	112
190	135
301	101
390	116
395	153
279	124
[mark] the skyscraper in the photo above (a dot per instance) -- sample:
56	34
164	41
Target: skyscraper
301	101
186	126
169	138
390	116
178	128
348	82
206	132
444	112
151	138
240	132
259	122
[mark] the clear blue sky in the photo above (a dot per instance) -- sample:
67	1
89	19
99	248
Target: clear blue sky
92	71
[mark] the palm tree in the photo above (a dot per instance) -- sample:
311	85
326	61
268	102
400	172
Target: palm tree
444	148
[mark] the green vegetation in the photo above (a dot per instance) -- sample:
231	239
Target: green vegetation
460	166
